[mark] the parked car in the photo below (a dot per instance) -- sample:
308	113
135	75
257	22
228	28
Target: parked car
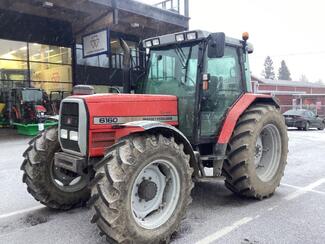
303	119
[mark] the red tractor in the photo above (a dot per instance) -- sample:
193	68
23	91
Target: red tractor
136	156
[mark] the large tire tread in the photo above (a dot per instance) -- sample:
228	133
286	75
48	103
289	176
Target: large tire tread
109	191
34	166
235	168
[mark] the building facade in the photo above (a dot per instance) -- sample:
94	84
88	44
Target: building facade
293	94
41	41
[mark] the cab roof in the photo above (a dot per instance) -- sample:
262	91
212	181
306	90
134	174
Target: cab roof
168	39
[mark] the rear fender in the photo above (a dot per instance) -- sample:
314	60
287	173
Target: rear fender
238	109
159	128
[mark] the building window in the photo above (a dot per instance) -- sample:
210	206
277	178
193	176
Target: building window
114	60
13	64
31	64
50	67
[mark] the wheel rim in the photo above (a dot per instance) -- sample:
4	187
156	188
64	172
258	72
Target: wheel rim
155	194
268	152
66	180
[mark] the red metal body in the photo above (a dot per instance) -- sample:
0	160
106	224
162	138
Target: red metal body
234	113
116	110
122	108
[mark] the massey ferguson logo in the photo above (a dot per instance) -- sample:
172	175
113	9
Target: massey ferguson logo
94	41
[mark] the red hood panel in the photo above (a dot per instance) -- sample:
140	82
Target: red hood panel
126	98
106	110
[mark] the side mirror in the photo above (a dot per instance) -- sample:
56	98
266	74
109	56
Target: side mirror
216	45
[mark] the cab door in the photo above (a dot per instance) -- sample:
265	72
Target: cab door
225	87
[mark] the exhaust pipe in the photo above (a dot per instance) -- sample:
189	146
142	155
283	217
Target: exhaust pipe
127	53
126	67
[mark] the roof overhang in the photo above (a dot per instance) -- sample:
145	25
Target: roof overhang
280	92
86	16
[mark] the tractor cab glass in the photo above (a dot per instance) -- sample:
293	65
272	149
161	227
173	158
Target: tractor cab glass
32	96
225	86
172	70
175	69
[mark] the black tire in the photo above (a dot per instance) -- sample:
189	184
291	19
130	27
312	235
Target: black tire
239	168
112	187
306	127
321	127
37	167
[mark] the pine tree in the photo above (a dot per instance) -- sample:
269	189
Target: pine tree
268	71
284	73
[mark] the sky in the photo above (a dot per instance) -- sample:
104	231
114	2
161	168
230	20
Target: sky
290	30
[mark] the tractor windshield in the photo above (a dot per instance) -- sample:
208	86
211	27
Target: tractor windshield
172	70
32	96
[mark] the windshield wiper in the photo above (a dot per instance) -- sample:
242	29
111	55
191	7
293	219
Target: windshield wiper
186	65
181	55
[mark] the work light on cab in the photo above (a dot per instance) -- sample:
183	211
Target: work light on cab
155	42
179	37
191	36
148	44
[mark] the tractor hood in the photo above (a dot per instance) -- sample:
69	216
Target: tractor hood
112	109
92	121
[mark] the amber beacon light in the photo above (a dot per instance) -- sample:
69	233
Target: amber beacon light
245	36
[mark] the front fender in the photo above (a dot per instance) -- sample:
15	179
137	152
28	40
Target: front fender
155	127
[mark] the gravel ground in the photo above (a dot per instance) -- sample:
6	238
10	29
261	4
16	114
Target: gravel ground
295	214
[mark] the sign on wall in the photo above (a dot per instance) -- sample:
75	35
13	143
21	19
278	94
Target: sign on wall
96	43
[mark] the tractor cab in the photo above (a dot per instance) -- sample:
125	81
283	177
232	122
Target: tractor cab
208	72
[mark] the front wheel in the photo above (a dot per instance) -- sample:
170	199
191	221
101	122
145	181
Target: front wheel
54	187
257	152
142	190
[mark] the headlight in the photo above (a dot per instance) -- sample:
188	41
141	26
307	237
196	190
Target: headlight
73	136
64	134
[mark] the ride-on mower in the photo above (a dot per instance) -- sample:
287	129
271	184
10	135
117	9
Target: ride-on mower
137	155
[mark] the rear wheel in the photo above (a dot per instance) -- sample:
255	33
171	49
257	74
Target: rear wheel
321	127
257	152
54	187
306	127
141	190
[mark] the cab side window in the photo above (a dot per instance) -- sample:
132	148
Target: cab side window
225	86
